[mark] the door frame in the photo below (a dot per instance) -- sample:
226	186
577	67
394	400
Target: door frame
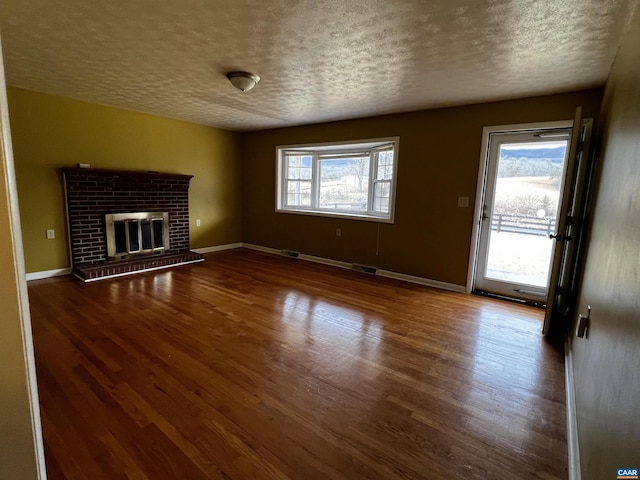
482	176
18	296
521	288
562	287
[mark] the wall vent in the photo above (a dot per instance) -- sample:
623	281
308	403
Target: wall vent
289	253
356	267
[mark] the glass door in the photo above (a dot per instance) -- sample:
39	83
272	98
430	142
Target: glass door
522	198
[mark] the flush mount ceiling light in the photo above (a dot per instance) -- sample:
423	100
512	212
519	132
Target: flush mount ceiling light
243	81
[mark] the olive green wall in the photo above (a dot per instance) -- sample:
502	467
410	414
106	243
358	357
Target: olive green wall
50	132
438	162
607	362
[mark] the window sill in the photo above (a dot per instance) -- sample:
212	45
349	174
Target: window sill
342	215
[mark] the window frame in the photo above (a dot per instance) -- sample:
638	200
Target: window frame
319	150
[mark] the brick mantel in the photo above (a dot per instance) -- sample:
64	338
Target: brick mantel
92	193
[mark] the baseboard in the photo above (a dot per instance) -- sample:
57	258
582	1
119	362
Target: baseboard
218	248
325	261
423	281
260	248
572	422
383	273
48	274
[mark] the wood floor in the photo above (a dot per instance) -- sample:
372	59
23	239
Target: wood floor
253	366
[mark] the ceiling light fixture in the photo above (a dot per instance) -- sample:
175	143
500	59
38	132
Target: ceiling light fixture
243	81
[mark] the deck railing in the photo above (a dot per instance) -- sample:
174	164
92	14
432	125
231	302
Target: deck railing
527	225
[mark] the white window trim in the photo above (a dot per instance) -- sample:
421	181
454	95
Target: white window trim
338	147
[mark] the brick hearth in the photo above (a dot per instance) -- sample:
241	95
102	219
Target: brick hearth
92	193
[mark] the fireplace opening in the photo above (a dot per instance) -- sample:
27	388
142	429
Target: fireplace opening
136	233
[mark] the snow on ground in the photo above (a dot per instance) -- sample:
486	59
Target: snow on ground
519	258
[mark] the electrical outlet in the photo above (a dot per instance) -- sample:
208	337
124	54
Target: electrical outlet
197	222
51	234
463	201
338	232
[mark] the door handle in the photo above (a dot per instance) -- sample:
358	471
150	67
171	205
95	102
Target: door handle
557	237
484	213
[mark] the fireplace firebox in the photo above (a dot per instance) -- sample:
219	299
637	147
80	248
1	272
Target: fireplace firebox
136	233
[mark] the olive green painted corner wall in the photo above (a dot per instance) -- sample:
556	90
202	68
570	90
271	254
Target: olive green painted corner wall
438	162
607	362
51	132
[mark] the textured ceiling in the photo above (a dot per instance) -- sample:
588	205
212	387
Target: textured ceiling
319	60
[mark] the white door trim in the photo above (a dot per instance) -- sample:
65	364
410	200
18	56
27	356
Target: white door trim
6	156
482	173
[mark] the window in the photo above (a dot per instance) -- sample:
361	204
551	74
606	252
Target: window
353	180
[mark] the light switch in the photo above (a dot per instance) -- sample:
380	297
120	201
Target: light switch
463	201
51	234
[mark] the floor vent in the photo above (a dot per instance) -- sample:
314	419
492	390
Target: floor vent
289	253
356	267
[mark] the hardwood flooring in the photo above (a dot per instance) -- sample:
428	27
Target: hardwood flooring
253	366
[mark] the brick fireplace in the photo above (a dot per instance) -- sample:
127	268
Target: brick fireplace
92	195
